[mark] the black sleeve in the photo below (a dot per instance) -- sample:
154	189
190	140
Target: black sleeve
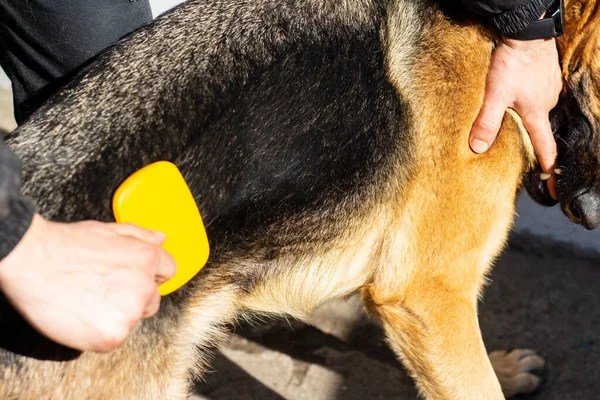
16	211
508	16
43	42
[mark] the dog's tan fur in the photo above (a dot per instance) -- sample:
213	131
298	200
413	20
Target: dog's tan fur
418	249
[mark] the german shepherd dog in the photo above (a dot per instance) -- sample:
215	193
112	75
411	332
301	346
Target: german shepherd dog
326	144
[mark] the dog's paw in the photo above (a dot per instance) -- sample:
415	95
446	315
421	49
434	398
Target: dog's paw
515	370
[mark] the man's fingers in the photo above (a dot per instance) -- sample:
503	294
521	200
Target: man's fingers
487	125
166	267
540	132
163	263
127	229
544	145
153	306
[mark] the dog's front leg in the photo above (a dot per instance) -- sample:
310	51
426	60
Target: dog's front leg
436	334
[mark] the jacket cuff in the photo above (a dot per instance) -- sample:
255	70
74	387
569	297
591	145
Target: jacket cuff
14	225
513	21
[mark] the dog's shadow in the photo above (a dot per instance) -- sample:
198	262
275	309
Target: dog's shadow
302	361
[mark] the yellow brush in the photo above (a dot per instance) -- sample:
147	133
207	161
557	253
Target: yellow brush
157	197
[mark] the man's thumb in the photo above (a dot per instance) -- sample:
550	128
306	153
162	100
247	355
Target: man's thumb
487	125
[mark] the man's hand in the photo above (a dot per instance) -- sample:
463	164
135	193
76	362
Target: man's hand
526	76
86	285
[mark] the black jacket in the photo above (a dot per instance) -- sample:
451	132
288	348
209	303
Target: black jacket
16	211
